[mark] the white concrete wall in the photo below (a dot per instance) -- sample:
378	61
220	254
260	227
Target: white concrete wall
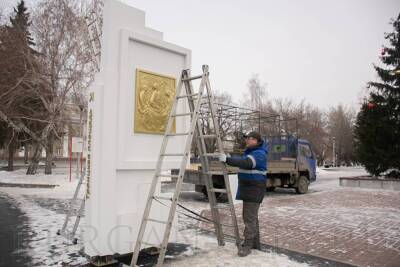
122	162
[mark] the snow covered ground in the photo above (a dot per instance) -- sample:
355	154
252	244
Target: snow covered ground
46	207
327	178
208	253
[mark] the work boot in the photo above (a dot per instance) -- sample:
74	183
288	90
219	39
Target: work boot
244	251
256	243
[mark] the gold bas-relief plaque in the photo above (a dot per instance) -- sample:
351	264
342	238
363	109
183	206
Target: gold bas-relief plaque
155	94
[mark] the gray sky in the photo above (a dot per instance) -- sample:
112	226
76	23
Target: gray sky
320	51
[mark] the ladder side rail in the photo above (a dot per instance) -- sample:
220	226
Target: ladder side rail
78	218
224	169
72	202
178	186
200	143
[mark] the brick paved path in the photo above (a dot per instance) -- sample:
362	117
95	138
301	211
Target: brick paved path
355	226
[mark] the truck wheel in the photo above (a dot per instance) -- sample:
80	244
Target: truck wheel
302	185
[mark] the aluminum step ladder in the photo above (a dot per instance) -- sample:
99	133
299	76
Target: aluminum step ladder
70	235
195	101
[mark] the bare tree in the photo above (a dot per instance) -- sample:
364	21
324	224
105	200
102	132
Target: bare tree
222	101
312	126
286	109
340	126
61	38
310	123
255	96
2	17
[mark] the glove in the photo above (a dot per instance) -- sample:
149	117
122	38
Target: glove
222	157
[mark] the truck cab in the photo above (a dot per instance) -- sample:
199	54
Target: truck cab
291	163
307	160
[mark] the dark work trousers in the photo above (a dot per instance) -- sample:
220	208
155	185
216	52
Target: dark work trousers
251	228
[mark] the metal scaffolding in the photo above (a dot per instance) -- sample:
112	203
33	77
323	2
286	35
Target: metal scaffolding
234	121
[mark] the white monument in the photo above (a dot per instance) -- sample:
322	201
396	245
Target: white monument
127	111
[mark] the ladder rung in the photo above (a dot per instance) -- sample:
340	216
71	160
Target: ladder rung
168	175
215	172
163	198
211	154
182	114
157	221
192	78
208	136
176	134
218	190
150	244
172	154
222	206
189	95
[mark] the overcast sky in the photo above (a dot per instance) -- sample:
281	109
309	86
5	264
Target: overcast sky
320	51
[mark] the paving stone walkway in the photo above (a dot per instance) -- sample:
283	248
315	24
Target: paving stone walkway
355	226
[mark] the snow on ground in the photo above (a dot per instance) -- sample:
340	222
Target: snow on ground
204	249
328	178
44	246
206	252
64	187
46	207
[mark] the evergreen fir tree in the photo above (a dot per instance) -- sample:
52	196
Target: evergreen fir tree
17	71
20	22
377	130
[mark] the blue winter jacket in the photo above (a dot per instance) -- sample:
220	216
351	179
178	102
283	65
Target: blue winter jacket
258	156
252	173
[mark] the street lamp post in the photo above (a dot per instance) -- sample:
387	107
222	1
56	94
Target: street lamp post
333	152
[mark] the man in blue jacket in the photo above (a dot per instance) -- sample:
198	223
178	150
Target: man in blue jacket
252	185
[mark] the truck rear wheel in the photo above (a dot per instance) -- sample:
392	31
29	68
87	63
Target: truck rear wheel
302	185
271	189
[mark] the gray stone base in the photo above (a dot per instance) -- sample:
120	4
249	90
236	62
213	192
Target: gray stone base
371	183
